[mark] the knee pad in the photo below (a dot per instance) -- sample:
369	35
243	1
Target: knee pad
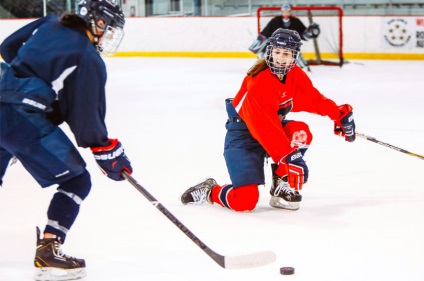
79	186
299	135
243	198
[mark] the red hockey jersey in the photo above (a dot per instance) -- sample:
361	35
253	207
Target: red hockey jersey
262	98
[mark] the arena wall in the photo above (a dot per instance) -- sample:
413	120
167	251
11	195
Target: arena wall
370	37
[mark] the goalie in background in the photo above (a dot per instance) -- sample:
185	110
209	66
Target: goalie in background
286	21
53	73
257	128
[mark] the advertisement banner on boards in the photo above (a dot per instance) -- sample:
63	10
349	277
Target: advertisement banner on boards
403	33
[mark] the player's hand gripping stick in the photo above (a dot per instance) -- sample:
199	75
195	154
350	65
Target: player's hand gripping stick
112	160
345	125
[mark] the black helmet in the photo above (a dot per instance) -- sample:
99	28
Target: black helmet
284	39
107	16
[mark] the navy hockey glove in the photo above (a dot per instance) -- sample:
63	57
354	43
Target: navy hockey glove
345	125
295	168
112	160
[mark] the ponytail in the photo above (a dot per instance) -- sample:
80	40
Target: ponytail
259	66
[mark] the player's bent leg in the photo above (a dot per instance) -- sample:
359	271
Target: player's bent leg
65	204
240	199
50	262
43	149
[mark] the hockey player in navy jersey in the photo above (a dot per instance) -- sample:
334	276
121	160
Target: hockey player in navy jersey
53	73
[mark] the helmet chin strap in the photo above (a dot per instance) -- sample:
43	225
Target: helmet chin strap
96	37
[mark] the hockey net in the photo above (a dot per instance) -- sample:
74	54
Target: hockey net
327	49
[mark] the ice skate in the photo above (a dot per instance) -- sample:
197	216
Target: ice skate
199	193
53	265
282	195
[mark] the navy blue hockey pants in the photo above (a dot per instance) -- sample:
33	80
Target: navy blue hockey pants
244	155
50	157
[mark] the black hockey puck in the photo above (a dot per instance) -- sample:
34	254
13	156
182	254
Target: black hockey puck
287	270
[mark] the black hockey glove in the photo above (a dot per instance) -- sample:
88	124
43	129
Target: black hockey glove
345	125
258	44
112	160
312	31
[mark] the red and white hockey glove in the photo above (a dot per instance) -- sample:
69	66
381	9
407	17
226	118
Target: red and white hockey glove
345	125
295	168
112	160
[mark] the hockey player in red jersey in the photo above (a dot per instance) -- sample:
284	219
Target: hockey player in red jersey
257	128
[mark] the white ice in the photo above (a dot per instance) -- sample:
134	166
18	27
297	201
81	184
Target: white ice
361	217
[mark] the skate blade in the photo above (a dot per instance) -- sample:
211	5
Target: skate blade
58	274
280	203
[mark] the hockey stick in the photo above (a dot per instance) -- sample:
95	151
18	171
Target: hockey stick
389	145
233	262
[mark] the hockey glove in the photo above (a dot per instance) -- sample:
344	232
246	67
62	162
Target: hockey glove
112	160
345	125
295	168
258	44
312	31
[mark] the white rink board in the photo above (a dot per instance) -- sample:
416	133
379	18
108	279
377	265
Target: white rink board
231	34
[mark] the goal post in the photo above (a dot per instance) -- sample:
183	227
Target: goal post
327	49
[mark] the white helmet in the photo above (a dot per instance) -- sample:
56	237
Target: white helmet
285	7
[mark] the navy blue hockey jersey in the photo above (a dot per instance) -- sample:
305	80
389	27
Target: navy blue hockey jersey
65	59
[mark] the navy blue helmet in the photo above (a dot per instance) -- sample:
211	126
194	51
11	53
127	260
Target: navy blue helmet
284	40
106	22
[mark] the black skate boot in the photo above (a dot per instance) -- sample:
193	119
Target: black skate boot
199	193
282	195
53	265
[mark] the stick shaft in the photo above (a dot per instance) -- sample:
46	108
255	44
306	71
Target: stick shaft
389	145
216	257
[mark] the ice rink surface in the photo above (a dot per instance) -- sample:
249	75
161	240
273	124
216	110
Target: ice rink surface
361	217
